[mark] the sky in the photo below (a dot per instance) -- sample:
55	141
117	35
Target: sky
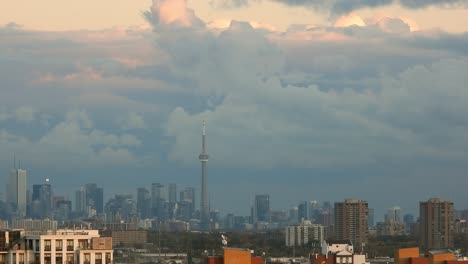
303	99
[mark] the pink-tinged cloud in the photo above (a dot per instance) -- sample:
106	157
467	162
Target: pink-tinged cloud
350	20
173	12
383	21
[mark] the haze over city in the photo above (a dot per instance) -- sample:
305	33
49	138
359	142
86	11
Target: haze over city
303	100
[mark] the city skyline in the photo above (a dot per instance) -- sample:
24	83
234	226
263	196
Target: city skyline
308	100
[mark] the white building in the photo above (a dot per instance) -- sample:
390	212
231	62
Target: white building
304	233
343	252
16	190
60	246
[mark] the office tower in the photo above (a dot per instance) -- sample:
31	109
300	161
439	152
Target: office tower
158	200
172	193
370	218
188	195
262	208
303	211
41	200
143	203
186	203
80	200
436	224
393	214
94	197
204	206
351	221
17	192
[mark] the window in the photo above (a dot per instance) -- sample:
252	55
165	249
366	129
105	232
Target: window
87	258
108	258
58	245
70	258
47	246
58	258
70	246
98	258
47	258
38	245
83	243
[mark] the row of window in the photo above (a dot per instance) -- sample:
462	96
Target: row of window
82	244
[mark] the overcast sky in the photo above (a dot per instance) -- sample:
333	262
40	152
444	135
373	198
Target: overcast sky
303	99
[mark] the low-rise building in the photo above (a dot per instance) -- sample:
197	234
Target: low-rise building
57	246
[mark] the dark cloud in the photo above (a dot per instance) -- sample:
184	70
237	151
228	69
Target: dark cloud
346	6
229	3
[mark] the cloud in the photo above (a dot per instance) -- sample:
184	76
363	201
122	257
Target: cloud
338	7
132	121
172	12
229	3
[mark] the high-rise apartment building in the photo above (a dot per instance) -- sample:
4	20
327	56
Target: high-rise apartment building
262	208
436	224
17	191
351	221
303	234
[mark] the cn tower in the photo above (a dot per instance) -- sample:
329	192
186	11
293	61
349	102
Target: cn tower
204	208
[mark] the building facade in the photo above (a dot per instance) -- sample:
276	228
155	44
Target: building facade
262	208
304	234
53	247
17	191
351	221
436	225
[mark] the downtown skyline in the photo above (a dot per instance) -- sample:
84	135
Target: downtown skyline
313	102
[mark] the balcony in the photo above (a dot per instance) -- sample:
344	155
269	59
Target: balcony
70	248
47	248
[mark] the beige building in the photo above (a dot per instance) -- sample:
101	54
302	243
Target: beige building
436	225
60	246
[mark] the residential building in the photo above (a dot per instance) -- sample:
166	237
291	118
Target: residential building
351	221
305	233
436	225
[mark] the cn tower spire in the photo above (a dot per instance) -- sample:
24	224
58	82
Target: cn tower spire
204	206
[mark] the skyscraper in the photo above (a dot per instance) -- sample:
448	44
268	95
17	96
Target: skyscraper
262	208
436	224
143	203
172	193
41	200
204	206
158	200
351	221
16	191
80	201
393	214
95	197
